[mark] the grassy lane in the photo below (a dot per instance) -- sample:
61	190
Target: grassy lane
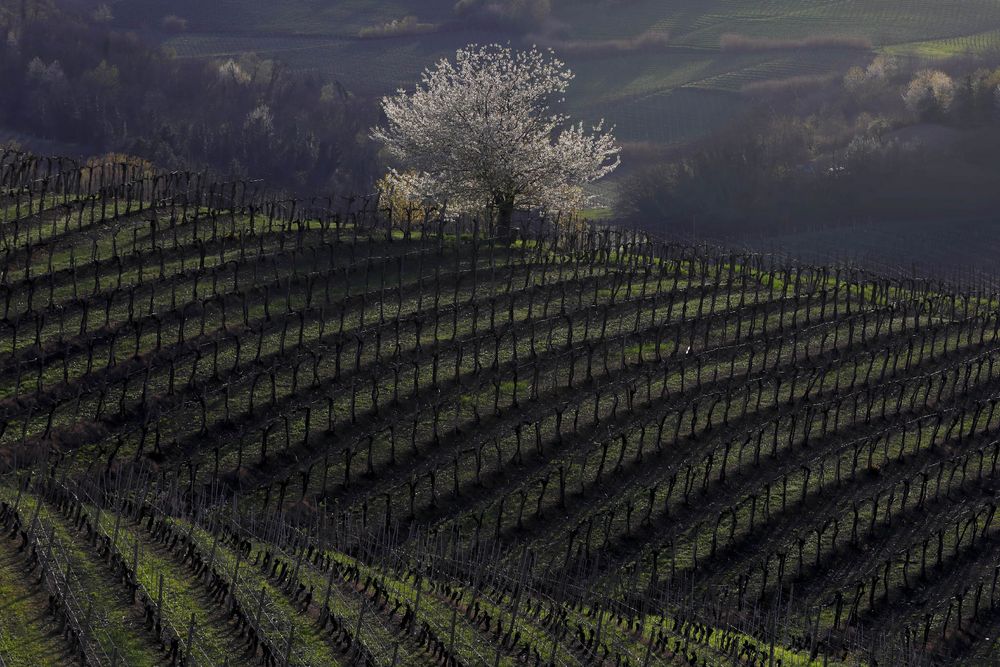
29	636
184	594
309	646
119	619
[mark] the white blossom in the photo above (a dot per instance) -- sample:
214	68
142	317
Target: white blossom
882	67
51	75
480	132
929	87
260	119
232	71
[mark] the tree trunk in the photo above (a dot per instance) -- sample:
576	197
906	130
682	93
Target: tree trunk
505	213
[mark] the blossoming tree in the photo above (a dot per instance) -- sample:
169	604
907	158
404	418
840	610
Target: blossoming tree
480	132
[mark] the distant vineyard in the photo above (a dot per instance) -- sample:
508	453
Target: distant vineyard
238	429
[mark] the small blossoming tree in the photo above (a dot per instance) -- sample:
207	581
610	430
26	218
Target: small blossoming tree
480	132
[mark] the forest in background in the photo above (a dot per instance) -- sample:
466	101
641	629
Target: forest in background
75	82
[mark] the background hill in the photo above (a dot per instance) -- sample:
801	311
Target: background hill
665	72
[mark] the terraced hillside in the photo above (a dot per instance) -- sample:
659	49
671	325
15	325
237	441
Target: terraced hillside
243	430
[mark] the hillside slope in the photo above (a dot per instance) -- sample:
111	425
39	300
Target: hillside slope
329	438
